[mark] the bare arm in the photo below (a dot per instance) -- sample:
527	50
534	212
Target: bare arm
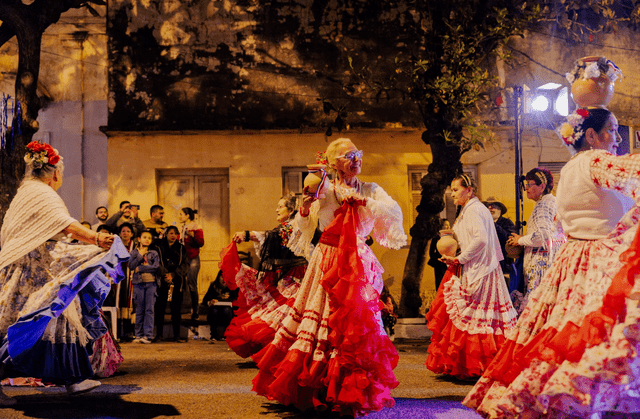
80	232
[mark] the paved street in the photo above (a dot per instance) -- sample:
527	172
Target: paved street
201	380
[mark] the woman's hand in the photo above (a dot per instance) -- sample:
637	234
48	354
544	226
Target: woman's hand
169	278
104	240
238	237
513	239
449	260
307	200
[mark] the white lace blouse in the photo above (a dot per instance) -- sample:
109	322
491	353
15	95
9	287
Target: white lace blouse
381	217
595	190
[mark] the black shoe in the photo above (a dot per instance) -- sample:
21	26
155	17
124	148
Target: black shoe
157	339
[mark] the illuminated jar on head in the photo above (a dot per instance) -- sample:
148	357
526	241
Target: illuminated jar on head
592	81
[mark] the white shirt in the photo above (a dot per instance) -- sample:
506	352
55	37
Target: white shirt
589	207
480	248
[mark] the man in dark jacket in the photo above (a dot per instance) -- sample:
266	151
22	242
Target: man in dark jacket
504	228
174	267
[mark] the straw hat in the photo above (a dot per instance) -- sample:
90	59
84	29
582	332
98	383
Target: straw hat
493	202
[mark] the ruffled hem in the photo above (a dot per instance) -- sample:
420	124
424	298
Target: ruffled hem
25	347
247	337
352	371
254	327
453	351
291	377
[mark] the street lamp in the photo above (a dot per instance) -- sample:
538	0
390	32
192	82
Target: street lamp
546	105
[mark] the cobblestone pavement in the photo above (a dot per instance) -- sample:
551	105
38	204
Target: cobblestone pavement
198	379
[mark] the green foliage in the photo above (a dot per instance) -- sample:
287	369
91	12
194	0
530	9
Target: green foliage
446	74
445	51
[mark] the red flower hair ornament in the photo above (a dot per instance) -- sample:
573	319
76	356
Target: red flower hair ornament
571	130
39	154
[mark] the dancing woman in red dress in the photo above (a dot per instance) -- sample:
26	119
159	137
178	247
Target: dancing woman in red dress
332	351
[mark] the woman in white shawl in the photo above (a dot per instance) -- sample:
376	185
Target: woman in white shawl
51	289
543	239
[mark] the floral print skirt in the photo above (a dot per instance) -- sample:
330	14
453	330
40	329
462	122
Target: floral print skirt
574	350
50	303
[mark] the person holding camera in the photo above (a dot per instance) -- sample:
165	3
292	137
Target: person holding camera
155	224
128	213
174	267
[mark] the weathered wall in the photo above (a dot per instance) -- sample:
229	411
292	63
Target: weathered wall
73	87
255	161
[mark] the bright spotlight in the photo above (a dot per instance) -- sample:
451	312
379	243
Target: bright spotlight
540	104
549	86
562	102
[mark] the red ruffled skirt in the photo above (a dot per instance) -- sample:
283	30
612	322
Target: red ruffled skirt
332	351
255	326
263	302
574	350
468	324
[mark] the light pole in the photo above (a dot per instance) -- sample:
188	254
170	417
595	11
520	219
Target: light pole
517	96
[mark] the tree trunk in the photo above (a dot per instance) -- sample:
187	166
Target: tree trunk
446	165
24	123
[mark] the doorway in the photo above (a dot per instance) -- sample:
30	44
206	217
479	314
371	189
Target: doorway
206	191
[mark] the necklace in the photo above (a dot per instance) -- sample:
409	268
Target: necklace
342	186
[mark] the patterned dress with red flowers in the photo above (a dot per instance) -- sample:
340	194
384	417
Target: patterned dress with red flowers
574	350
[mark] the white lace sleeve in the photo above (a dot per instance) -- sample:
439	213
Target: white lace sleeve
303	230
541	225
387	229
257	246
620	173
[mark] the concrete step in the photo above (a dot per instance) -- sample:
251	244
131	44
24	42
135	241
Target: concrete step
412	328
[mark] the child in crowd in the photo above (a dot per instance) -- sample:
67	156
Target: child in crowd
144	264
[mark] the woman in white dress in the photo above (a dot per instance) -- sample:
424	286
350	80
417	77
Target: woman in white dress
574	350
332	351
472	310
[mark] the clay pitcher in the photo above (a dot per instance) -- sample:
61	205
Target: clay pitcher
315	182
447	245
595	92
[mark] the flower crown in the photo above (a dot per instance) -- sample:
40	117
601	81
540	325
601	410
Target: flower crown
571	130
39	154
594	69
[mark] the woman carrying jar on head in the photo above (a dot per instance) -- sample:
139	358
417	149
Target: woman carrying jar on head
472	311
543	238
332	352
574	349
192	237
51	290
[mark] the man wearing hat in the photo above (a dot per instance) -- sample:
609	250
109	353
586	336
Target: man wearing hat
504	228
